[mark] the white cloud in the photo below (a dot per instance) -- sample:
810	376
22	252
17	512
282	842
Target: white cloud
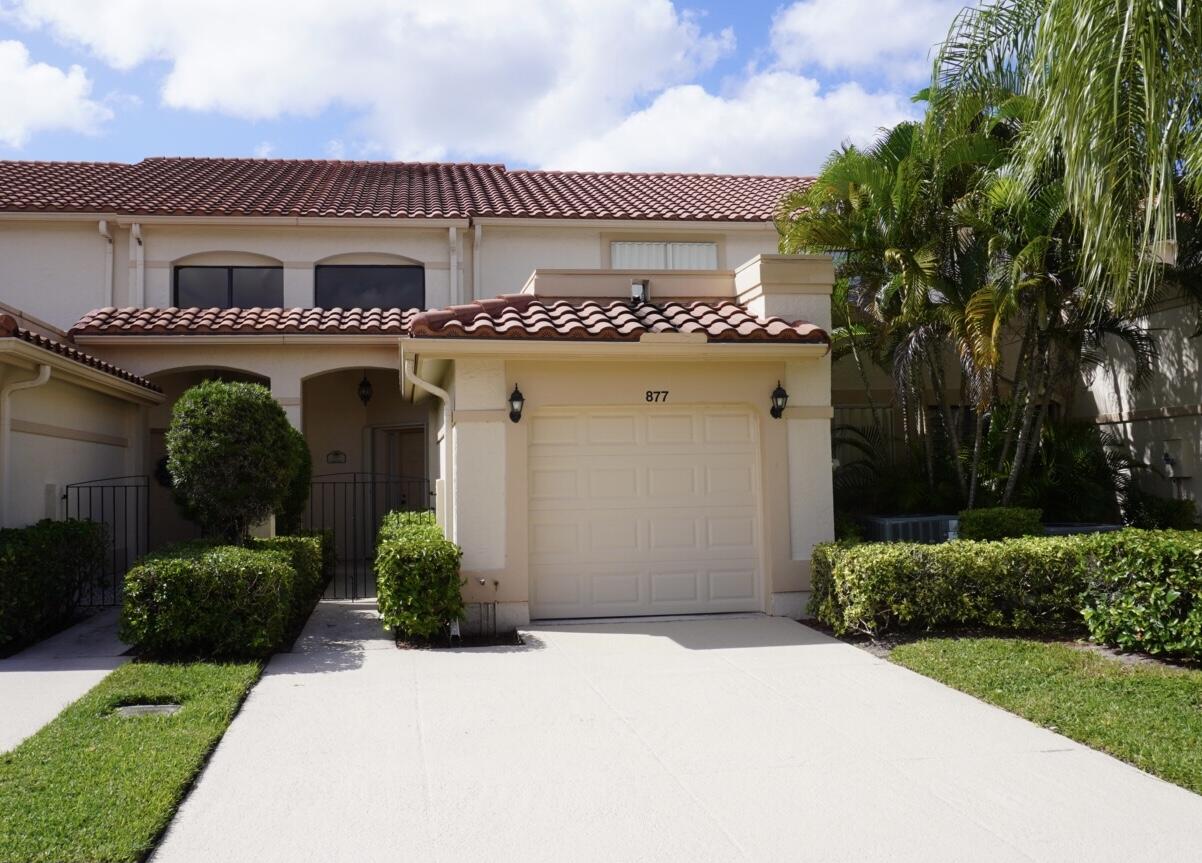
893	38
36	97
556	83
475	77
264	149
775	123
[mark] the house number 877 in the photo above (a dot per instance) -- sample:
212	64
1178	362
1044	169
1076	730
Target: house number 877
657	395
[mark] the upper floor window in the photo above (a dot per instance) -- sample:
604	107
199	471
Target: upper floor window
663	256
208	287
369	286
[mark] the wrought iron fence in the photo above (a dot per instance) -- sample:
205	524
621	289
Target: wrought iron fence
121	504
352	505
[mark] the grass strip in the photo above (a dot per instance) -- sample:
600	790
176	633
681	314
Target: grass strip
93	787
1148	715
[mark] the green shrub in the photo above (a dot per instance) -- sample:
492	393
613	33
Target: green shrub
200	599
230	455
1028	583
1150	512
1147	591
1000	522
291	512
43	570
417	575
306	555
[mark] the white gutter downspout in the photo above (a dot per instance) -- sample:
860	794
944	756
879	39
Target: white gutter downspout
456	292
448	463
107	296
137	258
6	423
477	242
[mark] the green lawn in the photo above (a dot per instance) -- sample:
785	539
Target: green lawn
95	787
1148	715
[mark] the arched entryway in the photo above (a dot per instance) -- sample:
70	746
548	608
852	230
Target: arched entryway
372	454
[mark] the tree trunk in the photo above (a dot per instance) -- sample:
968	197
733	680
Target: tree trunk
1024	362
876	417
953	439
1034	386
978	435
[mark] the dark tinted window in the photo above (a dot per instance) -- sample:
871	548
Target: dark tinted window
227	287
369	287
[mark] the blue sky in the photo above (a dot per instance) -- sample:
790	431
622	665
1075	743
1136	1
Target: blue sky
762	87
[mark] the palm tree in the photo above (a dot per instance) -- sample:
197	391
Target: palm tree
1117	105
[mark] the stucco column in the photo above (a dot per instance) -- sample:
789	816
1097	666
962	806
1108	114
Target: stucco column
478	450
298	285
808	427
287	391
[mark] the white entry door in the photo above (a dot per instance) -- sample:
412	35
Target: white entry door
644	511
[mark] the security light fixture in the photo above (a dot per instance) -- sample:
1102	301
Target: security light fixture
365	390
516	402
780	399
639	291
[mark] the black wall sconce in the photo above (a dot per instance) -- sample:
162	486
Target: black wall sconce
365	390
780	399
516	402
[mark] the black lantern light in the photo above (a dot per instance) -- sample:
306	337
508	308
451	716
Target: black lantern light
780	398
365	389
516	402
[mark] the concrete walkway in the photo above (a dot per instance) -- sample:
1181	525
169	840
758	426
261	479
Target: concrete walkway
37	683
720	739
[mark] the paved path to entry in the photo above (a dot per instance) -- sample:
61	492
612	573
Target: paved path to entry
37	683
719	739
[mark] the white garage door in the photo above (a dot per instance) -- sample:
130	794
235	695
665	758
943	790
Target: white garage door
643	511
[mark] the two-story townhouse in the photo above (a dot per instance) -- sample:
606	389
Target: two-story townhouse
612	391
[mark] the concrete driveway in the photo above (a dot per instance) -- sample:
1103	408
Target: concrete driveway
717	739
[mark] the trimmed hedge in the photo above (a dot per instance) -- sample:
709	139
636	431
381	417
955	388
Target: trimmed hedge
1000	522
1147	593
202	600
305	554
43	570
1029	583
198	599
1134	589
417	575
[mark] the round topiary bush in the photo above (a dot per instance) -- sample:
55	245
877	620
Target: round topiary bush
230	455
290	516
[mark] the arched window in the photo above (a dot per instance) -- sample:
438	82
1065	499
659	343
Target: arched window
367	286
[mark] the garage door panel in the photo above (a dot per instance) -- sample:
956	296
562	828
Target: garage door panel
675	587
651	512
732	584
671	429
610	430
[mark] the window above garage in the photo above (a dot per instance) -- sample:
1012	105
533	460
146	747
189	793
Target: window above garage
370	286
663	255
210	287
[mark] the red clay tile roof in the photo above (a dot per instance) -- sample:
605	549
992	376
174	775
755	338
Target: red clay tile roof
217	322
523	316
9	328
516	316
308	188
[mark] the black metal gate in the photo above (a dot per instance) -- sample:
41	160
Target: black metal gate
121	504
352	506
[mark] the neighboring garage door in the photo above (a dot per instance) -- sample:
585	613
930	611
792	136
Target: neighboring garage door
644	511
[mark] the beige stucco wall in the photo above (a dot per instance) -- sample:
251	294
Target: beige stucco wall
55	267
53	270
1165	415
491	491
63	433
